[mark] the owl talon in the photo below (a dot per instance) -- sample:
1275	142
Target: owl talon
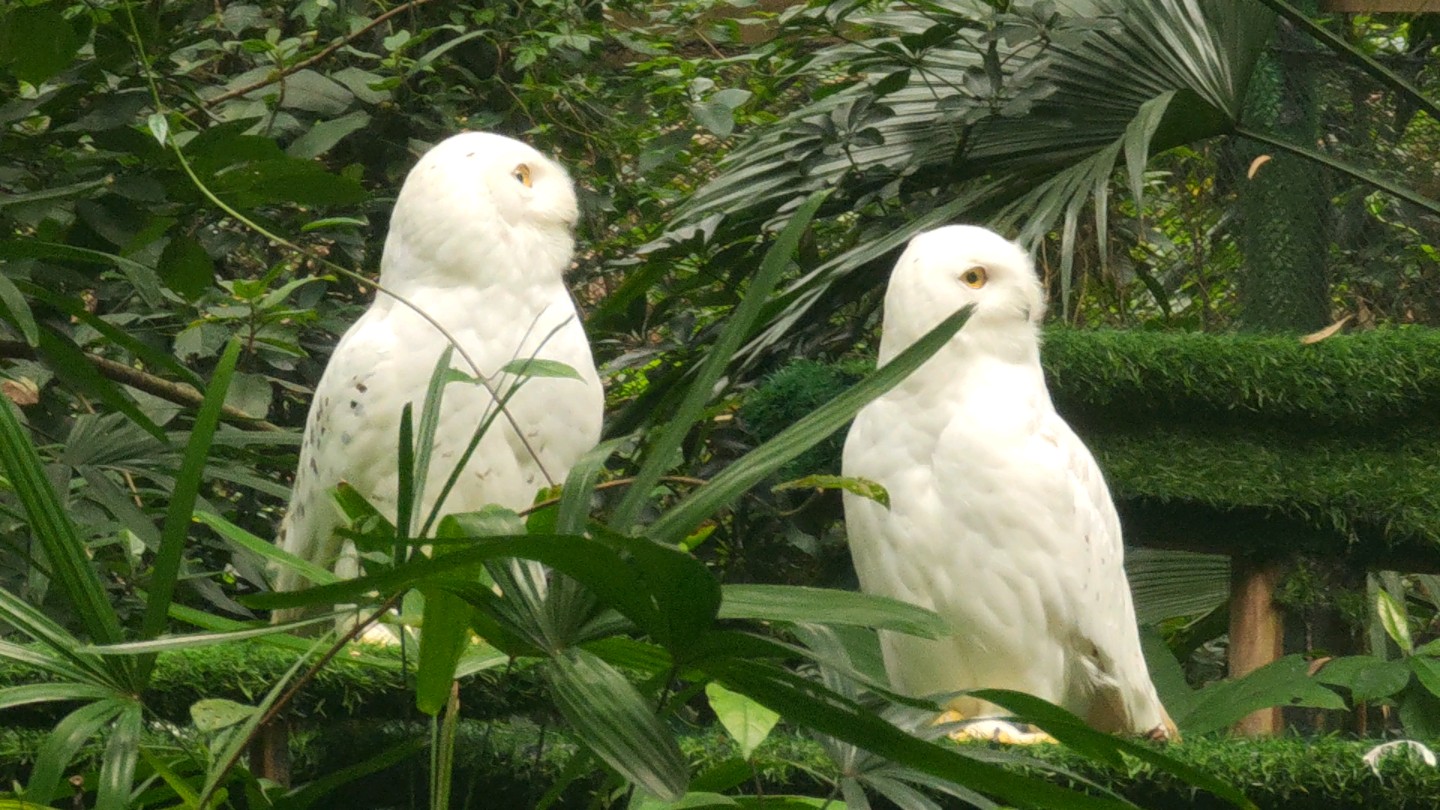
996	731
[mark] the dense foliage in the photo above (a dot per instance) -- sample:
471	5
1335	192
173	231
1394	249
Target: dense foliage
193	196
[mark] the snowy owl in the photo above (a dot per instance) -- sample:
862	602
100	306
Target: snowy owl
999	519
479	241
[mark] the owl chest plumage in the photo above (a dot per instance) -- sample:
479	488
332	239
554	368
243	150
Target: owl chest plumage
386	360
981	505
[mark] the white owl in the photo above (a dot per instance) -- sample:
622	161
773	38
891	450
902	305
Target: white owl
479	241
999	519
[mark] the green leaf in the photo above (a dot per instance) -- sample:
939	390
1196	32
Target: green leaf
166	566
36	41
1419	711
31	693
1366	676
685	595
122	753
61	658
349	223
794	603
323	135
1395	621
230	752
813	706
753	467
863	487
1074	734
540	367
51	524
715	117
266	549
614	721
18	310
748	722
317	789
1427	671
1285	682
64	742
660	455
424	446
186	268
73	367
444	636
632	587
170	643
147	284
159	127
75	308
580	485
214	714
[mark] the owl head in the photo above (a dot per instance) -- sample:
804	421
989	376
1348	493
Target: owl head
945	269
481	208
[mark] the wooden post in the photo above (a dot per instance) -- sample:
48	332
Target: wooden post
1257	632
270	752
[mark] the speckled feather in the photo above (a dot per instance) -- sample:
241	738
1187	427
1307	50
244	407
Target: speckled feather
483	253
1000	520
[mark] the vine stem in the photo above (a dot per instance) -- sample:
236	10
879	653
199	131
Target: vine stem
480	376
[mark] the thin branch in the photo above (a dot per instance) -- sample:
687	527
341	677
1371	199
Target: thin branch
618	482
318	57
178	393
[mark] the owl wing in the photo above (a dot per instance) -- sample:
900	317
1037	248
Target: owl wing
1108	662
386	360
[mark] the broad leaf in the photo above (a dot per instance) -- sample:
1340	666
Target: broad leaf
748	722
613	720
793	603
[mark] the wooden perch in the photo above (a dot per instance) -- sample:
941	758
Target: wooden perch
178	393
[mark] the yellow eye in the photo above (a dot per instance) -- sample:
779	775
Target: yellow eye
522	173
974	277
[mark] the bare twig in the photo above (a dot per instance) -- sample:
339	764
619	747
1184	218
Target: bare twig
178	393
618	482
318	57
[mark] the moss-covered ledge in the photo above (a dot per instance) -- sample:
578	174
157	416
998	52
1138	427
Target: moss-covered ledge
502	764
1239	444
1263	492
244	671
1348	383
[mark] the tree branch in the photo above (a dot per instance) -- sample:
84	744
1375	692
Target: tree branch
319	57
178	393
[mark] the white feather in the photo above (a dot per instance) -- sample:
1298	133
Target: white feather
481	252
999	518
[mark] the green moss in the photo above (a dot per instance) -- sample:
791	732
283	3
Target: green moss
1382	492
1331	446
245	671
791	393
1363	382
511	763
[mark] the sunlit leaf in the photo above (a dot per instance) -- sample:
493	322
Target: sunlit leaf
863	487
748	722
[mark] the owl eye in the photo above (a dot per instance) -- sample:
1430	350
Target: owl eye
974	277
522	173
